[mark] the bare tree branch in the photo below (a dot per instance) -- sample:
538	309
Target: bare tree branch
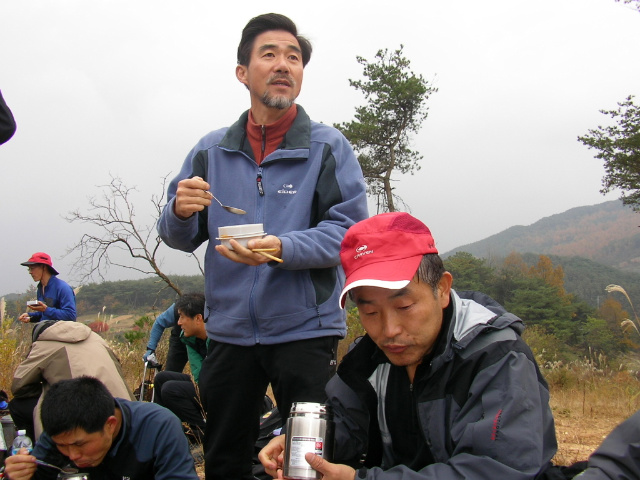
120	231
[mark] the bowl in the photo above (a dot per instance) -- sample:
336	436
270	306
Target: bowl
241	239
241	233
239	230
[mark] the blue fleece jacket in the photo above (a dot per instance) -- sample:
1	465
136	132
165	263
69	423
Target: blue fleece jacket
307	193
60	301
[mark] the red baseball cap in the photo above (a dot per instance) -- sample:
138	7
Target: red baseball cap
384	251
42	258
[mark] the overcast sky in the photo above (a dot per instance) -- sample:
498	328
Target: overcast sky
126	88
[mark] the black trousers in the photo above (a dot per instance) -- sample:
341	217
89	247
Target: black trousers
177	392
21	410
233	382
177	356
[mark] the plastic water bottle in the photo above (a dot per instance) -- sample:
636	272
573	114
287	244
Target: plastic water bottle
21	441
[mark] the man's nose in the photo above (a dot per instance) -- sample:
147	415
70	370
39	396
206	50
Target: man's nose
282	65
390	325
74	453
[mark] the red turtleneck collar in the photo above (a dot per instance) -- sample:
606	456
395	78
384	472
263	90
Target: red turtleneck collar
265	139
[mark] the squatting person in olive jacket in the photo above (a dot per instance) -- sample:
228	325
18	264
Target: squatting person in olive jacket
61	350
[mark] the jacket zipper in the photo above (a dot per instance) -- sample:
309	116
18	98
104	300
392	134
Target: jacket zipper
263	146
259	183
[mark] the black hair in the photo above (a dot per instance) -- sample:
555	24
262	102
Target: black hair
190	304
265	23
82	402
431	270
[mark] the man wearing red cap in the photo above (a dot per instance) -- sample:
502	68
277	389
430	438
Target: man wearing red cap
56	300
442	386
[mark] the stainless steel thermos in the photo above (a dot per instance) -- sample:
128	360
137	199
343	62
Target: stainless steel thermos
310	428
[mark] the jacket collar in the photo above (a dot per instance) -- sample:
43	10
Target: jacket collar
298	136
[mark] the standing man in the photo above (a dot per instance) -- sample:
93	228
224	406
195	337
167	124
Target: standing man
267	321
56	300
442	386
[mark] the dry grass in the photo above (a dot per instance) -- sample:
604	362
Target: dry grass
587	404
14	345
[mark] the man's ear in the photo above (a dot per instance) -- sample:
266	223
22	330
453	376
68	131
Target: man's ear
111	424
241	74
444	289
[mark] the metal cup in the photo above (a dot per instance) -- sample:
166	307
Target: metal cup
310	428
73	476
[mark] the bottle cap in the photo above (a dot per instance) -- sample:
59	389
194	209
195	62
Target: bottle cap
22	432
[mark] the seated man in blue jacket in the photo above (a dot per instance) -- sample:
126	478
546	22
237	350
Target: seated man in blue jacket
56	299
442	386
87	429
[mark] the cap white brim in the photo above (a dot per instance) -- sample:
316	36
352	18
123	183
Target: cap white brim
369	282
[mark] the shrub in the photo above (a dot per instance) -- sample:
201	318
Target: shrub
99	327
15	341
354	330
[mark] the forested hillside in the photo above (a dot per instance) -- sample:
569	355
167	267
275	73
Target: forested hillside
121	297
127	295
587	279
559	323
606	233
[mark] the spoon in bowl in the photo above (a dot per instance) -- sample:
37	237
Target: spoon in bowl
237	211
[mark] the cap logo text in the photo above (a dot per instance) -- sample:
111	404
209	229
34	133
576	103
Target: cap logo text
361	251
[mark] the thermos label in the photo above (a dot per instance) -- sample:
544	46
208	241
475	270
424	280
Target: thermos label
300	446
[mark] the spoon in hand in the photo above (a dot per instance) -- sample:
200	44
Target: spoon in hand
63	470
235	210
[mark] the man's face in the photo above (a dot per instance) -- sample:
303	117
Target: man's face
86	449
403	323
274	74
36	271
188	324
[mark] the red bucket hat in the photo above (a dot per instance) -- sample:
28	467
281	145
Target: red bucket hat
41	258
384	251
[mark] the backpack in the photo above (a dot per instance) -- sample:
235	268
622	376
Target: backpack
270	423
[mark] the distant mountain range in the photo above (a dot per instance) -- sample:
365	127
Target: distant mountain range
607	233
596	246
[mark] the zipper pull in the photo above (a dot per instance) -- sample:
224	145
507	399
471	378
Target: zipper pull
259	184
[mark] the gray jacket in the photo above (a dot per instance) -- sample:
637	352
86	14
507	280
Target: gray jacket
481	402
619	454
